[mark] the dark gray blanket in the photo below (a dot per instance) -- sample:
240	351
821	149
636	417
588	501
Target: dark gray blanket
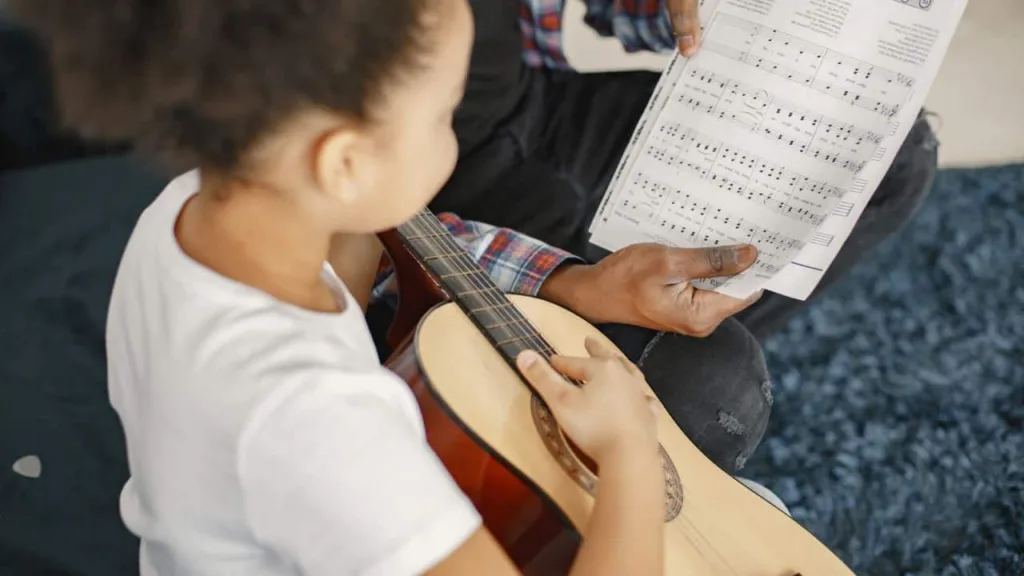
62	230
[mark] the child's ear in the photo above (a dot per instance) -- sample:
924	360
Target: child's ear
344	165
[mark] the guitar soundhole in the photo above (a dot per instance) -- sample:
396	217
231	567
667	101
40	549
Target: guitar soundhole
583	470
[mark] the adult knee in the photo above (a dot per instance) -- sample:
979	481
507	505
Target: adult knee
717	389
909	179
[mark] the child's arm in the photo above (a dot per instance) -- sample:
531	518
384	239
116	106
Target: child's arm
609	418
625	532
337	477
624	535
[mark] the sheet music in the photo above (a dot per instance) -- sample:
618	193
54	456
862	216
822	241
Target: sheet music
777	132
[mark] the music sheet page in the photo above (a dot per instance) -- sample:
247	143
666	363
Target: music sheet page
777	133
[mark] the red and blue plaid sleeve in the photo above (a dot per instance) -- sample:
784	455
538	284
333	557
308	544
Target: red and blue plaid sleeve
515	262
638	24
540	22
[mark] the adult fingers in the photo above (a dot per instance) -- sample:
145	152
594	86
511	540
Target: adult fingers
693	263
711	308
549	384
685	25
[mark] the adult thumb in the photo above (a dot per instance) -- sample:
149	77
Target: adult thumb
713	261
685	25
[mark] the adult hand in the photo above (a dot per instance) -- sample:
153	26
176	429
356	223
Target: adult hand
685	25
649	285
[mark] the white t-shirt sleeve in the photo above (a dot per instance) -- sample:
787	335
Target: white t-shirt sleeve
338	478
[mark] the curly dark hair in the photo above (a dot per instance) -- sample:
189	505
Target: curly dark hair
200	81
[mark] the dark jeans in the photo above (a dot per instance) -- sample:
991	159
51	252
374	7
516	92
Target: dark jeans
546	169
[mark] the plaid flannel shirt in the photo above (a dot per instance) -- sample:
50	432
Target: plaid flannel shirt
638	24
515	262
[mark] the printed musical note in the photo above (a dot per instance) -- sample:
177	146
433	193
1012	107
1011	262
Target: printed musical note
920	4
765	269
848	79
812	134
682	219
855	98
735	171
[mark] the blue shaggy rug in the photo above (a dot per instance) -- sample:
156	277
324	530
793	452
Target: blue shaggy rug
898	427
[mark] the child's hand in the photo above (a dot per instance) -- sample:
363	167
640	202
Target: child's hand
607	417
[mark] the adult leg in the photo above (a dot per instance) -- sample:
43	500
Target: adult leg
717	389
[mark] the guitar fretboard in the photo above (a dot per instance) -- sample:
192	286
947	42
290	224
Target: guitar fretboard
471	288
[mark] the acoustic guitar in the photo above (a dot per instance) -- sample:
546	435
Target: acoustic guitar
456	336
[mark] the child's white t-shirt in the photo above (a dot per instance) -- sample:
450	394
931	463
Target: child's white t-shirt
264	438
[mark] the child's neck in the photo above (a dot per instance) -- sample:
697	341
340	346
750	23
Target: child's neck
256	236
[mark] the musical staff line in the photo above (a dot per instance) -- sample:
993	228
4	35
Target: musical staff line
815	135
843	209
682	218
822	239
741	173
829	72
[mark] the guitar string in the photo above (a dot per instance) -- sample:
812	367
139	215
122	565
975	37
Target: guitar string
707	544
695	544
470	272
435	235
499	302
438	238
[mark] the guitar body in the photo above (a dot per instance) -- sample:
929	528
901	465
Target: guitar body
533	490
527	522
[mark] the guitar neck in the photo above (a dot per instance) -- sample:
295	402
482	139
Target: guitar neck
469	286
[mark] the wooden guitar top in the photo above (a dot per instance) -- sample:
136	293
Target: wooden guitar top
722	527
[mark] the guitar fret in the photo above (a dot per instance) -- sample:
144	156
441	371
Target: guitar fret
442	256
513	349
484	290
517	339
468	284
459	274
425	236
514	322
489	308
